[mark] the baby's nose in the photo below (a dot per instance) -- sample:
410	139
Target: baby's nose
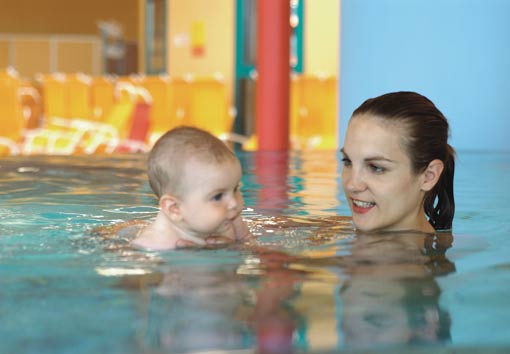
232	203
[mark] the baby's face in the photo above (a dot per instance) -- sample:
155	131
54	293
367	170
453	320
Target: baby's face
212	199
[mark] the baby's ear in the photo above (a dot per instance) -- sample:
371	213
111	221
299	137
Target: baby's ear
169	205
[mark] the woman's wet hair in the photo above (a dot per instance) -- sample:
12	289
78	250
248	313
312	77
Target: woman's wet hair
425	139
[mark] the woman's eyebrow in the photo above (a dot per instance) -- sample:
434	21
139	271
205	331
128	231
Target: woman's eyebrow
378	158
371	158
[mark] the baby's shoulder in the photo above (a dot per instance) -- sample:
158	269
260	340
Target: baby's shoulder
127	229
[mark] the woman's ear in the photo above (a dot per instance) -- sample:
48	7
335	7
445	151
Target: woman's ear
432	174
169	205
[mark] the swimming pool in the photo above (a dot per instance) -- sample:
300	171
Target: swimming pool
306	285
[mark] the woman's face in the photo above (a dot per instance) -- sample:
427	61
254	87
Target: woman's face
383	192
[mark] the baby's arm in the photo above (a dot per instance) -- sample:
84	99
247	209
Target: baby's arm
238	232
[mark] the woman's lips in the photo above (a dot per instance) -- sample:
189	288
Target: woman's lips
361	207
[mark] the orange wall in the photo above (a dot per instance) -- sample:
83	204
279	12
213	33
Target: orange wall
321	37
67	16
186	18
215	17
321	31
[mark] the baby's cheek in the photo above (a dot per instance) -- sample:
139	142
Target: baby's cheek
240	202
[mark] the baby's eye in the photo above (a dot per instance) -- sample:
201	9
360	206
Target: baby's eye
217	197
376	169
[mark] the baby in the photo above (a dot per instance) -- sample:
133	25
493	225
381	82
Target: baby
196	178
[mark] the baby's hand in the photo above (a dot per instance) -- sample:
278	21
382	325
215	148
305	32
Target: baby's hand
241	231
209	240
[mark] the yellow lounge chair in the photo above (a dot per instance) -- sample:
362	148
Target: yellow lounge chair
12	121
164	112
103	96
106	137
66	108
313	112
209	107
80	131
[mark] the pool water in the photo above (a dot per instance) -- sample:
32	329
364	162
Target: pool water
306	284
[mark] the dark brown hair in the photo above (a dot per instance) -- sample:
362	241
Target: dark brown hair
426	139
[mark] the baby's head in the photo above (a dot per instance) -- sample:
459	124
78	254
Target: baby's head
168	157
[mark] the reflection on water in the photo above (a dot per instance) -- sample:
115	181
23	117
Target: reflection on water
294	183
306	284
355	291
390	295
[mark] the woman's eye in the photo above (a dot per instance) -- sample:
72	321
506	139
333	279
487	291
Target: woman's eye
217	197
377	169
346	161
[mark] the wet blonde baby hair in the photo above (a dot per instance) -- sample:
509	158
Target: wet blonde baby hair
169	155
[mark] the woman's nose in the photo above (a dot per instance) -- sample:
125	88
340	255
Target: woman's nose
353	180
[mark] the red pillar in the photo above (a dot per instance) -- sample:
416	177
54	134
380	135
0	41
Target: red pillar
271	170
273	68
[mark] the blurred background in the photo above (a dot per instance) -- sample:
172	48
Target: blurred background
170	62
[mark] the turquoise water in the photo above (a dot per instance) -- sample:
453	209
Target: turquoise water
307	284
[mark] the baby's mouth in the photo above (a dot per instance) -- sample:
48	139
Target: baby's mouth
362	204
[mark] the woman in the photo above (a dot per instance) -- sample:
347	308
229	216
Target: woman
398	166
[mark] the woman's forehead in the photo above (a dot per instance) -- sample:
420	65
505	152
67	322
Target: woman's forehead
368	129
372	136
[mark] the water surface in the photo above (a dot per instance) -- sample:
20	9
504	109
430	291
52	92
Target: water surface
307	284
